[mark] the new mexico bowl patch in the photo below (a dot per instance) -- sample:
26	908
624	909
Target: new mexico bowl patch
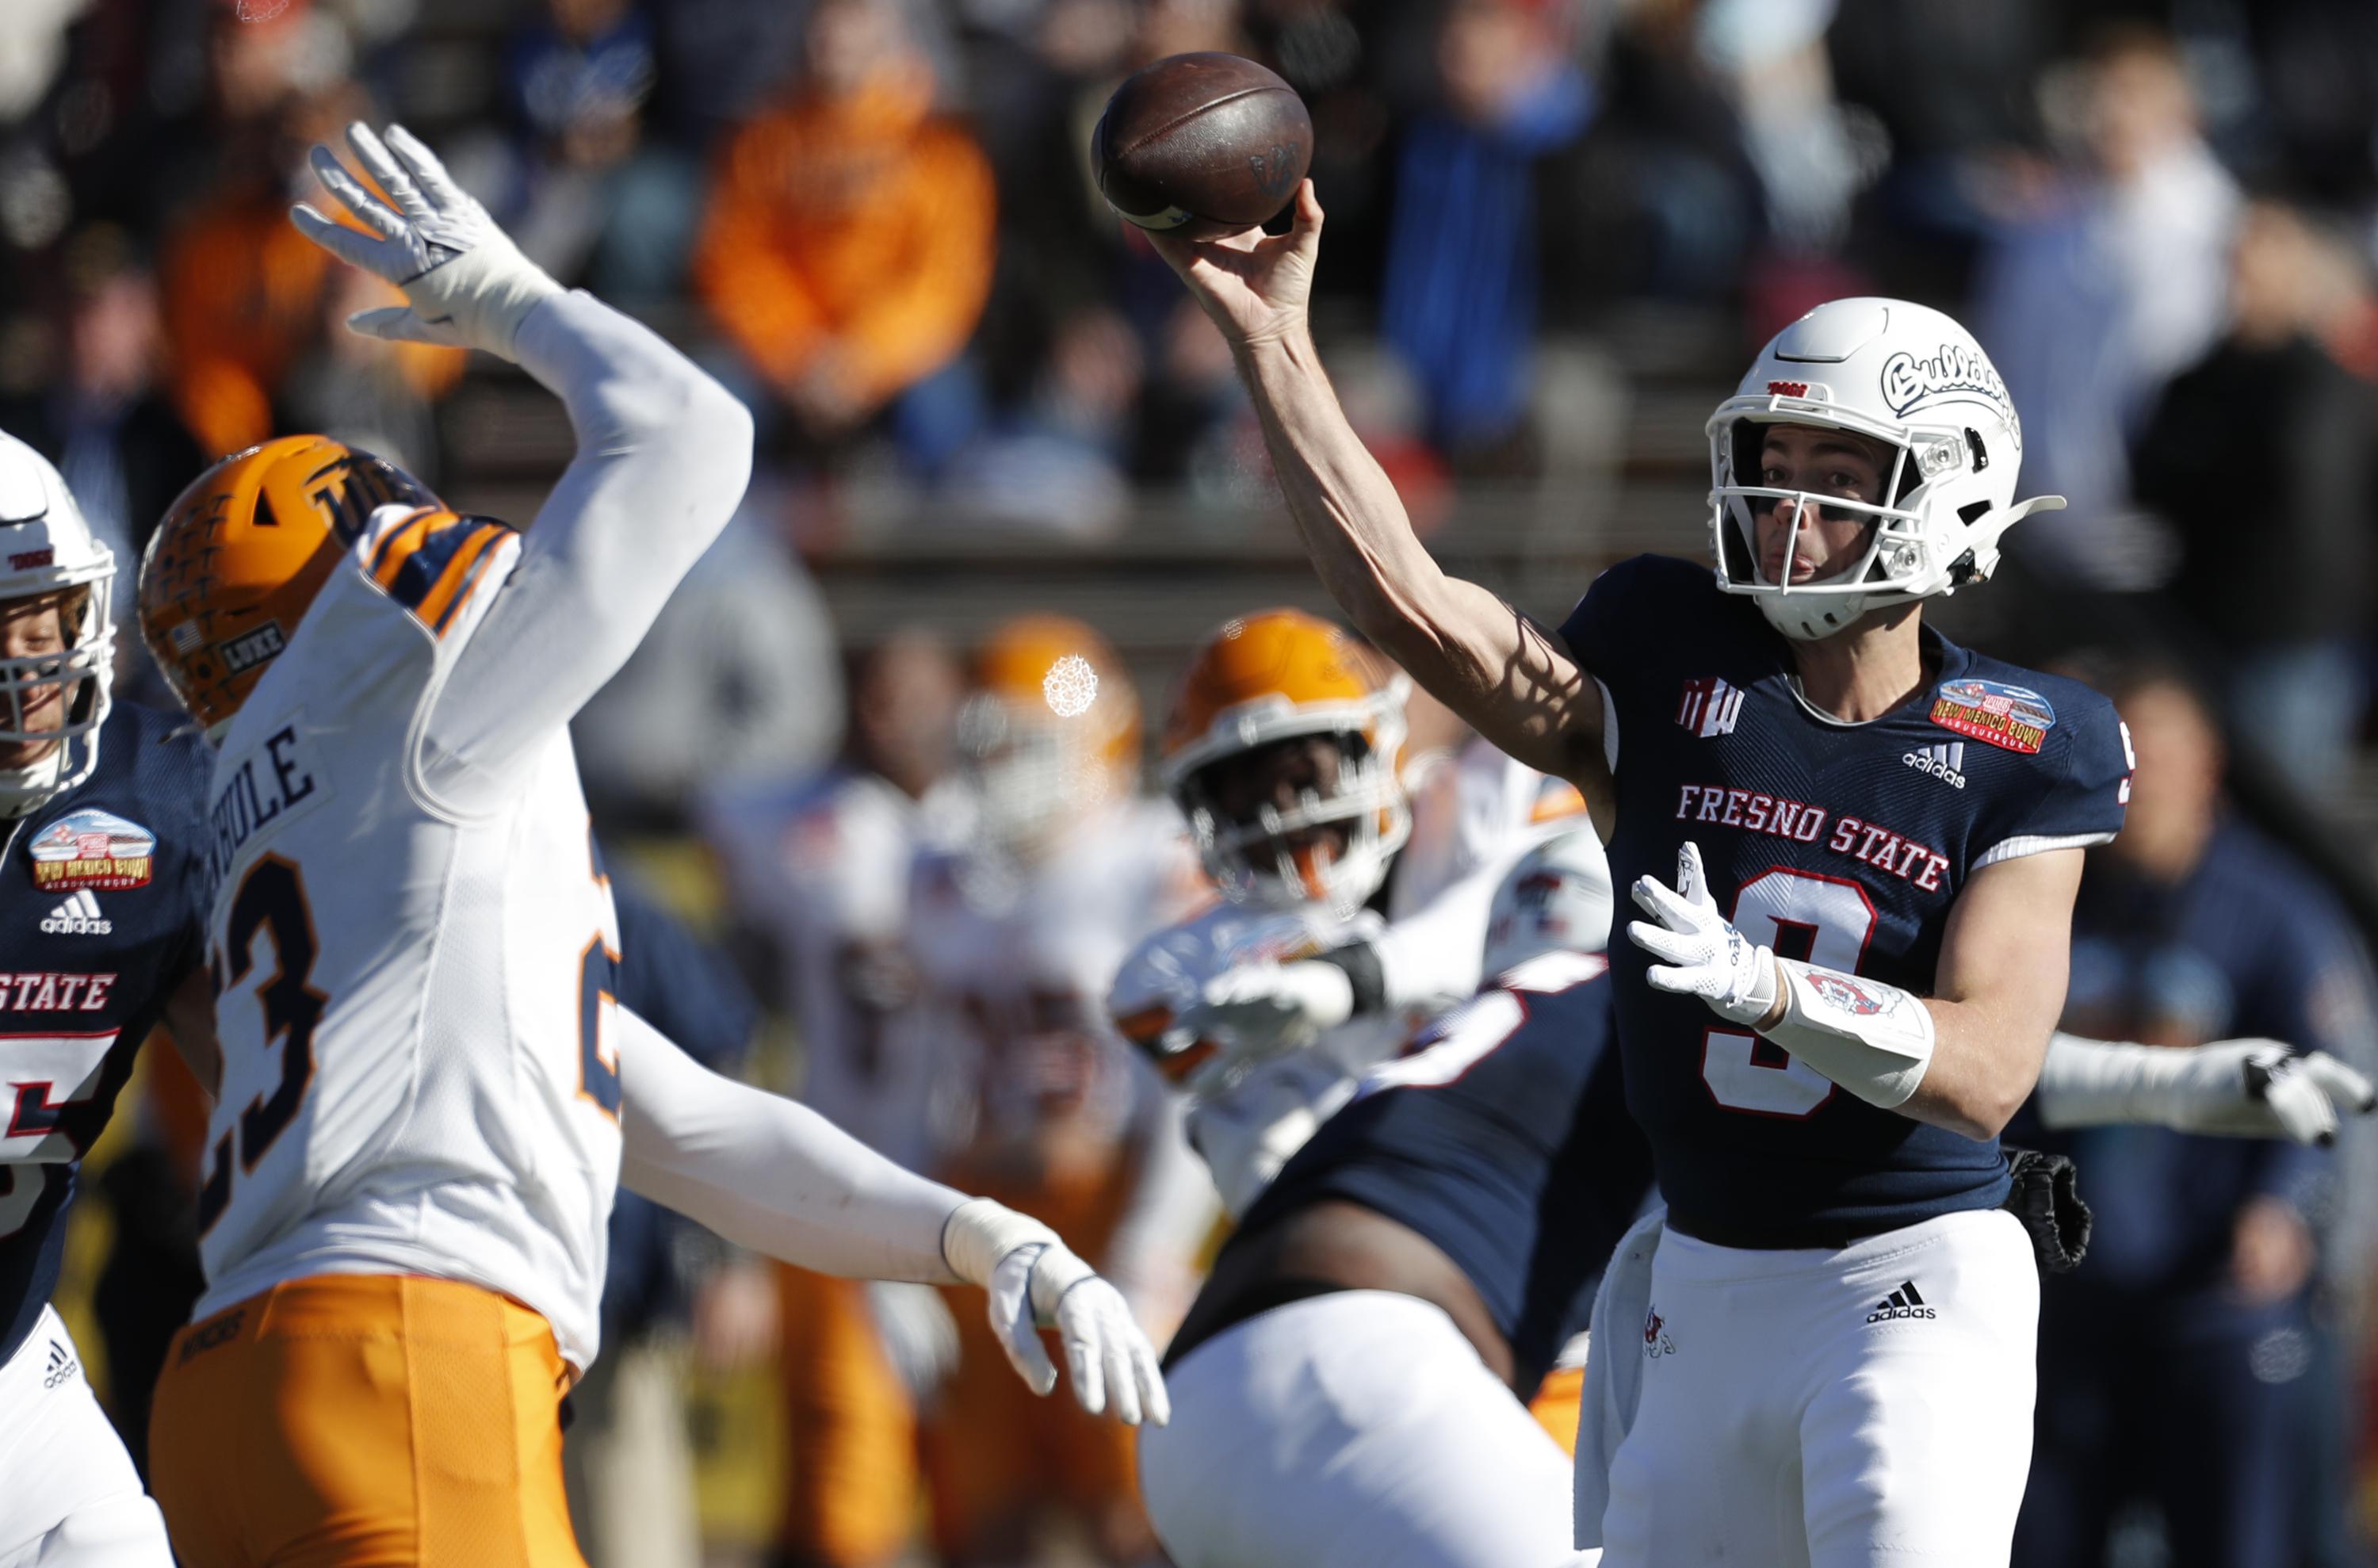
93	848
2014	717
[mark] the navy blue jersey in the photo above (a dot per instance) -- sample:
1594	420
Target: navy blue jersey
1504	1137
1844	845
102	914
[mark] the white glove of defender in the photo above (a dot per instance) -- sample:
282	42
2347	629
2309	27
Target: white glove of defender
1704	955
468	284
1268	1008
920	1338
1034	1280
2229	1088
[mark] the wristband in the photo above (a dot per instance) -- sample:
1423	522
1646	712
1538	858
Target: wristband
1361	962
979	1232
1874	1040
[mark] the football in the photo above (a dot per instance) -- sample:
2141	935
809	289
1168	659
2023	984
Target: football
1201	145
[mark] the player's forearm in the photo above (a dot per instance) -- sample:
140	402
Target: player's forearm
1345	508
664	453
1962	1066
1468	649
1983	1070
771	1175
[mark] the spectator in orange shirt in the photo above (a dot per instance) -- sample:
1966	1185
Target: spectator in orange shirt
849	246
243	292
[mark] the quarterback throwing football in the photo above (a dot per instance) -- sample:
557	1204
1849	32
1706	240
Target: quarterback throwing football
1855	845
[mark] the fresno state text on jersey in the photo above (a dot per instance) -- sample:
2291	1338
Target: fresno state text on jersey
1822	841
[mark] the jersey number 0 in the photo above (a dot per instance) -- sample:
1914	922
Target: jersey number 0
1801	914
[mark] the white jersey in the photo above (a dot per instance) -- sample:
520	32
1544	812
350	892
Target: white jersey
825	873
413	938
1473	808
1473	815
1015	962
1246	1124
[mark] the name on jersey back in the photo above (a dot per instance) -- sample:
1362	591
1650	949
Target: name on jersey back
272	781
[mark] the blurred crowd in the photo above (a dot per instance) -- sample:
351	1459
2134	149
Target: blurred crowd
873	219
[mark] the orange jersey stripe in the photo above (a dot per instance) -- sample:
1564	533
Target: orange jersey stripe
396	546
431	563
461	575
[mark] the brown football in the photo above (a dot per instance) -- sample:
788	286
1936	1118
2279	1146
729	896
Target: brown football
1200	145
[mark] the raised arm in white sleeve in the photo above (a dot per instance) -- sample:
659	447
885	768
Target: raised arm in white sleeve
777	1178
662	456
664	453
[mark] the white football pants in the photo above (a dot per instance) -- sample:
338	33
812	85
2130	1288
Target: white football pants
69	1495
1357	1429
1816	1409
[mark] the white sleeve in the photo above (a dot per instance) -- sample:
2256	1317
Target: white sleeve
1433	956
664	453
771	1175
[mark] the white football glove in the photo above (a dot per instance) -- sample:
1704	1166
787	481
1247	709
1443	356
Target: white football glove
1034	1280
1263	1008
2229	1088
467	284
1704	955
920	1338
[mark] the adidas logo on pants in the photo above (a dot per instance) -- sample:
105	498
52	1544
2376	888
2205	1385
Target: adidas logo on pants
1901	1303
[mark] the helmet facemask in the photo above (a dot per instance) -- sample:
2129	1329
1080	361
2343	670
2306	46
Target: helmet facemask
1906	555
76	682
1332	844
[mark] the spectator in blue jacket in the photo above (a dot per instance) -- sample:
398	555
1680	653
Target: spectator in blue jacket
2176	1366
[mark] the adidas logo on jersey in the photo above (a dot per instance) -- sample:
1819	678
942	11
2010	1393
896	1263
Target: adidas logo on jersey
1945	762
1901	1303
61	1366
78	916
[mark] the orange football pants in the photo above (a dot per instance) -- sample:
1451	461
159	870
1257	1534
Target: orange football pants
995	1452
365	1421
1556	1405
853	1497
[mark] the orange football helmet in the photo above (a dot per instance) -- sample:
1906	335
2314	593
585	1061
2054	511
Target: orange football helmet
1276	676
1050	730
241	554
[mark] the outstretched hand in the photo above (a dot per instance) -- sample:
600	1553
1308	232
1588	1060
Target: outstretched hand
466	285
1255	286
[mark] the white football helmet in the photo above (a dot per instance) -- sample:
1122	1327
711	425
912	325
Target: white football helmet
45	546
1557	898
1911	377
